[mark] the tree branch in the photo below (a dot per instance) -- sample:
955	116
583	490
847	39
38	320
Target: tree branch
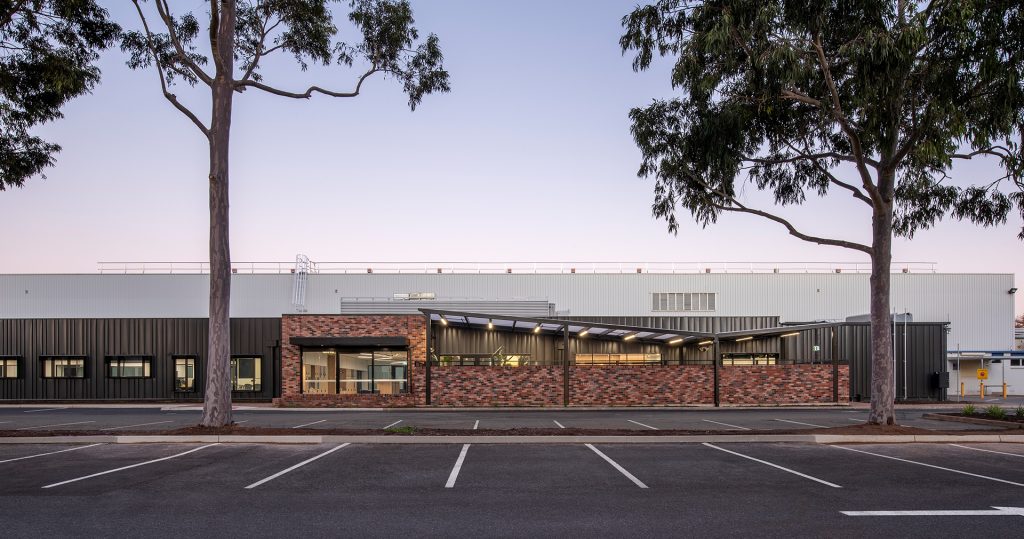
242	84
844	124
739	208
9	16
163	81
857	193
165	15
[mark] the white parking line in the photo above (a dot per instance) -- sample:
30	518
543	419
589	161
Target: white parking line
642	425
129	467
615	465
392	425
726	424
56	425
242	421
308	424
138	425
856	419
988	451
802	423
50	453
458	466
45	410
931	466
297	466
794	472
477	424
561	426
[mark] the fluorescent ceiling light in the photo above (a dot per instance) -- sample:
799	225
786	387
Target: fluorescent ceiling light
676	341
790	334
537	329
583	333
443	321
630	336
744	339
702	343
490	324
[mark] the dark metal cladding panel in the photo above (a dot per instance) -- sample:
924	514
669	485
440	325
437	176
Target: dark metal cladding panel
923	345
159	338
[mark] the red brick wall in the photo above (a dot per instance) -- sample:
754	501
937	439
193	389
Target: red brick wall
412	327
496	386
615	385
781	384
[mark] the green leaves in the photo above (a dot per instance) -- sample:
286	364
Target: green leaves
879	98
48	54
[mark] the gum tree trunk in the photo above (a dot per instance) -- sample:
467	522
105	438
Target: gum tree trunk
217	399
882	386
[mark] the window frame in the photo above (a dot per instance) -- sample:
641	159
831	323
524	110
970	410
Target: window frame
234	380
110	360
18	370
49	374
684	302
174	372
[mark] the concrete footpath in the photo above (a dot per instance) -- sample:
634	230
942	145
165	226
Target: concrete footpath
526	439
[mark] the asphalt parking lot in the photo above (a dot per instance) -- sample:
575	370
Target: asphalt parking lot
113	420
726	489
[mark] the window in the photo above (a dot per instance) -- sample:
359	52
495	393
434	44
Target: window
246	374
9	366
129	366
617	359
683	301
750	359
184	374
63	367
1017	362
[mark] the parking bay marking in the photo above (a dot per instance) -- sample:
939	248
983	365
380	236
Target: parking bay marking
642	425
802	423
392	425
989	451
458	466
45	410
726	424
308	424
297	466
50	453
794	472
57	425
477	424
615	465
138	425
130	466
561	426
931	466
994	512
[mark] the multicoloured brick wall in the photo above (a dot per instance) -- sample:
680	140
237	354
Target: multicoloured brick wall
781	384
412	327
496	386
617	385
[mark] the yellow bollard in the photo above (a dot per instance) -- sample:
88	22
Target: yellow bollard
981	389
1004	390
961	389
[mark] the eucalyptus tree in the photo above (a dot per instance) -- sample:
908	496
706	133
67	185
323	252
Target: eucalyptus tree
239	36
48	50
813	99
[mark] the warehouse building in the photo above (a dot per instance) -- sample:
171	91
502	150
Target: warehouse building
491	334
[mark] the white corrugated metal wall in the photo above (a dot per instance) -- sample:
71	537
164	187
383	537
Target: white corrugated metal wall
978	306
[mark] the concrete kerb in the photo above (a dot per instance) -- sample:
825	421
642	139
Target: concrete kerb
592	439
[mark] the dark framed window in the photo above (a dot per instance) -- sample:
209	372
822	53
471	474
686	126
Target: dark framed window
246	373
63	366
349	371
185	373
129	366
10	367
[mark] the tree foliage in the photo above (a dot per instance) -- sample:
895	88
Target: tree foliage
48	50
876	98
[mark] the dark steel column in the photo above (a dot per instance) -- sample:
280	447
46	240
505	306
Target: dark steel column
565	365
426	370
716	354
835	364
